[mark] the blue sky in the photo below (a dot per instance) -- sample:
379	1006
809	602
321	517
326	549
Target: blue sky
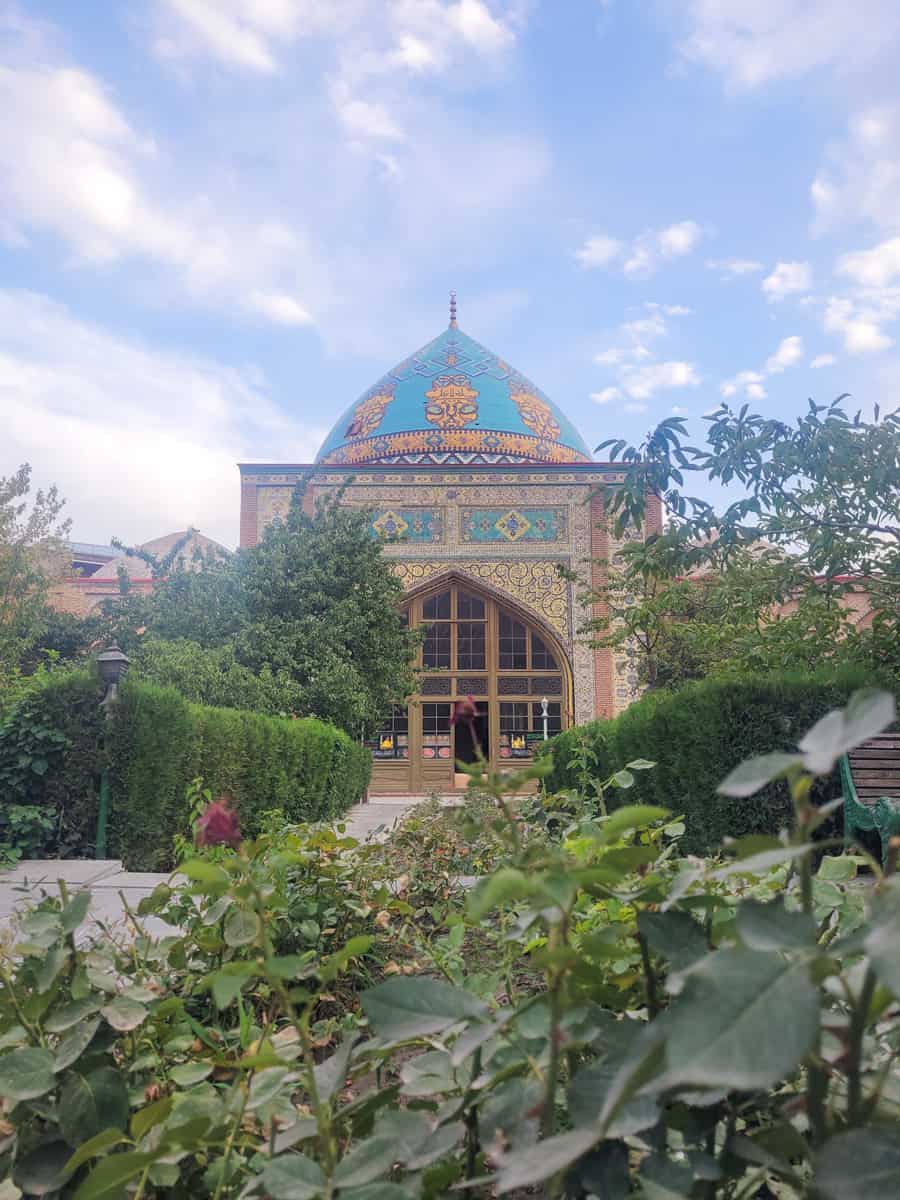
221	220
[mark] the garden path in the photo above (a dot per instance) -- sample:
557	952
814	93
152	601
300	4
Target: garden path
112	887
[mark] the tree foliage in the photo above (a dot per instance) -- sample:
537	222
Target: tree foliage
305	622
765	581
32	559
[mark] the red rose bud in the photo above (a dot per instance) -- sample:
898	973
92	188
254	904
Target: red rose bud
219	825
464	710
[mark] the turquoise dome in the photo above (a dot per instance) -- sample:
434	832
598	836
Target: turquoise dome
453	401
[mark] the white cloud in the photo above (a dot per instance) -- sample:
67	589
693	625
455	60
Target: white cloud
787	279
606	395
282	309
645	254
477	26
734	268
643	382
611	357
160	431
860	325
599	251
754	42
859	180
873	268
748	382
788	354
365	118
679	410
823	360
72	165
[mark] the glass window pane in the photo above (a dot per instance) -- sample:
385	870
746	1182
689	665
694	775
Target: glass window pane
469	606
470	646
513	646
513	718
554	718
541	658
392	740
437	608
436	646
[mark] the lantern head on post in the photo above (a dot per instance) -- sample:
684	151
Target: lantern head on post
113	663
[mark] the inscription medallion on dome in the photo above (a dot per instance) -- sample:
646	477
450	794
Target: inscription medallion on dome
451	402
368	414
535	413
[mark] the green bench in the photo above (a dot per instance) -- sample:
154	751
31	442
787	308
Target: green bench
870	779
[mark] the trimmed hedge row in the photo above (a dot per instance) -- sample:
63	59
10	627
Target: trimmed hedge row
696	736
157	742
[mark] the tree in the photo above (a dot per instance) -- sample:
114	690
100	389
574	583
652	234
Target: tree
32	558
306	622
763	583
320	604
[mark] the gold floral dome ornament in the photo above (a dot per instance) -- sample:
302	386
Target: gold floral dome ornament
453	401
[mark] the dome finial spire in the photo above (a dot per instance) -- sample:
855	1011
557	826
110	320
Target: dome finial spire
453	310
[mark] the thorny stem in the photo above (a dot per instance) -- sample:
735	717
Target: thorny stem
473	1136
301	1024
229	1146
855	1036
649	977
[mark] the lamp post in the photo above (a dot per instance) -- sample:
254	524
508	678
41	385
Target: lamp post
113	664
545	716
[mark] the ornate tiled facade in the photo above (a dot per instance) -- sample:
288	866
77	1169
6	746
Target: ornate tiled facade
468	471
440	506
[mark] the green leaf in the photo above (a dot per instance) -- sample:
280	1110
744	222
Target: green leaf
266	1084
332	1073
588	1094
53	962
773	927
92	1147
525	1168
354	947
758	864
74	1044
366	1162
26	1074
109	1177
504	885
863	1162
640	764
187	1074
622	779
157	900
147	1118
604	1172
868	713
242	927
89	1104
379	1191
883	939
664	1180
75	911
124	1014
198	870
227	982
293	1177
839	868
744	1020
43	1170
674	935
631	816
402	1008
755	773
70	1014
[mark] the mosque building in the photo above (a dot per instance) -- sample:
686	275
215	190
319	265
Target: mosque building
481	488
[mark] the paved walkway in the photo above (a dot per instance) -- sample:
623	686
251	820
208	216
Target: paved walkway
109	883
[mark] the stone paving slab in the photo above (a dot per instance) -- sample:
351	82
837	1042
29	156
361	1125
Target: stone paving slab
32	878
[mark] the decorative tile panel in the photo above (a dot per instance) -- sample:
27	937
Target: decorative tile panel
482	525
410	524
272	504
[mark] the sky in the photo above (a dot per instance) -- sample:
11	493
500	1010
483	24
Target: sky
223	220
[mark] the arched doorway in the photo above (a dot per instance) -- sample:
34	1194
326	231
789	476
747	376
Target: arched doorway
474	644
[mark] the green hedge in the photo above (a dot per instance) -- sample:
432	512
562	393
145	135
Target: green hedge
696	736
156	743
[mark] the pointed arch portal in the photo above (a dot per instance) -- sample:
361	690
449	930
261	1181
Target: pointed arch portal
473	644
